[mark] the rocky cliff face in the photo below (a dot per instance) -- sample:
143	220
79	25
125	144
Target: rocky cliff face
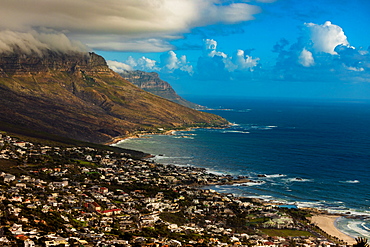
76	95
151	82
22	64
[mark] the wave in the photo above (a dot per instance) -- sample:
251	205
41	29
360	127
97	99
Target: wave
262	127
350	182
235	131
262	197
275	175
162	156
210	171
184	137
357	226
365	226
251	183
298	180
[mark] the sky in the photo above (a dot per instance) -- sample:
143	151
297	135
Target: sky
248	48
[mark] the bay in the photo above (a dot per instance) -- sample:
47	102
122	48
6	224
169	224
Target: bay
308	153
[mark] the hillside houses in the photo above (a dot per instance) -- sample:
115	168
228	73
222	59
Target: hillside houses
84	196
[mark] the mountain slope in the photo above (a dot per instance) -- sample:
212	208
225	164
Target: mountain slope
76	95
150	82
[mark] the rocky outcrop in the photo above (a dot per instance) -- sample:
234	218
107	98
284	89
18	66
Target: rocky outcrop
76	95
22	64
150	82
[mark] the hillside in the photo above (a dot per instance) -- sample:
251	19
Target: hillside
76	95
150	82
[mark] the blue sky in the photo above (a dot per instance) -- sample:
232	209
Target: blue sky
251	48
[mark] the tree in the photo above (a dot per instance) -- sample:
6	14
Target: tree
361	242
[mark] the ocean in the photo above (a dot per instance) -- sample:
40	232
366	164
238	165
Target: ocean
308	153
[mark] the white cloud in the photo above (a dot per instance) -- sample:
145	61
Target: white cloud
239	61
355	69
326	37
118	66
143	63
170	62
324	55
306	59
109	24
234	13
243	62
213	63
210	48
147	64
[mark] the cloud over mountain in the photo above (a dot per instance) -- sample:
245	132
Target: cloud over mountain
34	42
127	25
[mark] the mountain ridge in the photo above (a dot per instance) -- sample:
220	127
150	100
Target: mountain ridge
151	82
76	95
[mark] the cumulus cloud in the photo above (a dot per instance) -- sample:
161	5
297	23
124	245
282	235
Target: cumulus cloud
118	66
170	62
210	48
143	63
211	64
326	37
127	25
34	42
217	65
306	59
323	53
243	61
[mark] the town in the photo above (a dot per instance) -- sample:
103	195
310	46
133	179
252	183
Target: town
83	196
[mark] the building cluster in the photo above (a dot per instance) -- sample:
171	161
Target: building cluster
82	196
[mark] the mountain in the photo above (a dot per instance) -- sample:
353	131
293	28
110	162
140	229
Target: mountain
76	95
150	82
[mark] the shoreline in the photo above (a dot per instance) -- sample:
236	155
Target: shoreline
118	139
327	223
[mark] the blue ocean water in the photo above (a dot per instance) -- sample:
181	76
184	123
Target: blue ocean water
311	153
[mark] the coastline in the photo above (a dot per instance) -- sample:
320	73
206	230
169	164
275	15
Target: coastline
118	139
327	223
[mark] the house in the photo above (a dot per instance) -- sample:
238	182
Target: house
57	242
103	190
8	178
16	229
21	185
29	243
110	212
93	207
20	144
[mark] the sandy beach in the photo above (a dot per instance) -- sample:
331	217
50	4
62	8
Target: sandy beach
327	223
